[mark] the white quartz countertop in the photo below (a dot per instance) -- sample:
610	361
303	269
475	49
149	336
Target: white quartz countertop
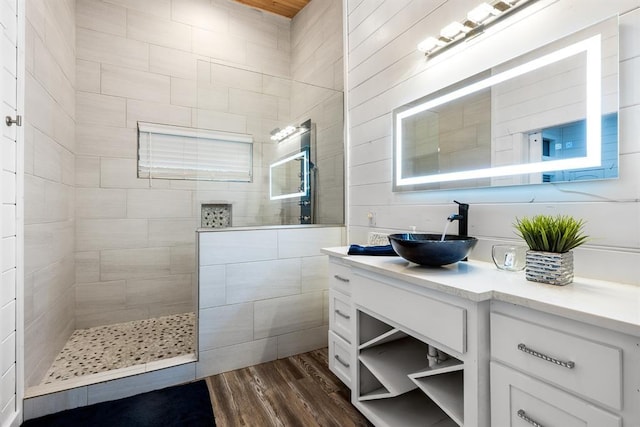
611	305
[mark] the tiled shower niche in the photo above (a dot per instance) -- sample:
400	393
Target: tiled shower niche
215	215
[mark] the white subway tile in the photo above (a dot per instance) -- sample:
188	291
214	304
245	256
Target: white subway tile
154	203
120	173
87	171
212	362
159	8
145	111
212	279
228	76
212	97
315	273
90	318
201	14
220	46
99	234
100	296
287	314
106	141
224	326
183	259
109	49
226	122
159	290
99	109
253	103
253	281
302	341
173	62
134	263
134	84
229	247
158	31
184	92
100	16
172	232
100	203
307	242
87	267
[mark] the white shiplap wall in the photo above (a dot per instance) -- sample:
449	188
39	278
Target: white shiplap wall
11	384
385	71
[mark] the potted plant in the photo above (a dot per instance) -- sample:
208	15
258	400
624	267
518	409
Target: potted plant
551	240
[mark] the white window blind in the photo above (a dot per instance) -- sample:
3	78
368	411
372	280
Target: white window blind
174	152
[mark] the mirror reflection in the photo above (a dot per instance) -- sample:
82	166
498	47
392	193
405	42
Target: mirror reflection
546	116
289	177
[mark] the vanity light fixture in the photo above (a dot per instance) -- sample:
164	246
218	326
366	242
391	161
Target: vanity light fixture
280	135
476	21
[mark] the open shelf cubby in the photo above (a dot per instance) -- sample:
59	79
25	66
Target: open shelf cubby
399	385
371	328
446	390
392	362
409	409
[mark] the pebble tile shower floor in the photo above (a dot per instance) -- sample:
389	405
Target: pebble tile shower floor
103	348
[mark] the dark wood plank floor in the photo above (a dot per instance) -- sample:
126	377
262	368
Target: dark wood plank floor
296	391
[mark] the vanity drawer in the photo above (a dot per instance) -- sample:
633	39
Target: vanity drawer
518	400
339	277
340	315
340	358
436	320
586	367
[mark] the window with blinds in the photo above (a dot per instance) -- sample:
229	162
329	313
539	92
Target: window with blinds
174	152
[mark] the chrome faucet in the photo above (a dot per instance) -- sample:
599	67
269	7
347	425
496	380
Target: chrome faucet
462	217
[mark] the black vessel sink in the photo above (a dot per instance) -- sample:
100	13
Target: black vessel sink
429	249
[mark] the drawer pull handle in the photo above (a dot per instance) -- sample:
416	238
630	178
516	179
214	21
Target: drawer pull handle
523	415
342	362
341	314
342	279
568	365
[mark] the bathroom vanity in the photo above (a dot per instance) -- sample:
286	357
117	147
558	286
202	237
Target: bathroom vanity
509	352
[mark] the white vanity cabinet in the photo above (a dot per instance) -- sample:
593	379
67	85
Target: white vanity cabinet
395	383
513	353
554	372
341	320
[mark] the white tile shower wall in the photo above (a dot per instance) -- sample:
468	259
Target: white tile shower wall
386	71
316	94
265	302
188	63
49	182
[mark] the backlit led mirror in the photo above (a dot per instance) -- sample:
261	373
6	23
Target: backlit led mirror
289	177
550	115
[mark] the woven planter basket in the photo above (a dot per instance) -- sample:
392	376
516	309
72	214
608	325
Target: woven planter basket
549	267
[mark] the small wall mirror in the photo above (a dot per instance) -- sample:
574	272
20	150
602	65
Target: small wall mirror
550	115
289	177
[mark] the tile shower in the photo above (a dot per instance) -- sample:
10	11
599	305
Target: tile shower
103	247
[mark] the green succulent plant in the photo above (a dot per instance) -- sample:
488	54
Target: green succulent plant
549	233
